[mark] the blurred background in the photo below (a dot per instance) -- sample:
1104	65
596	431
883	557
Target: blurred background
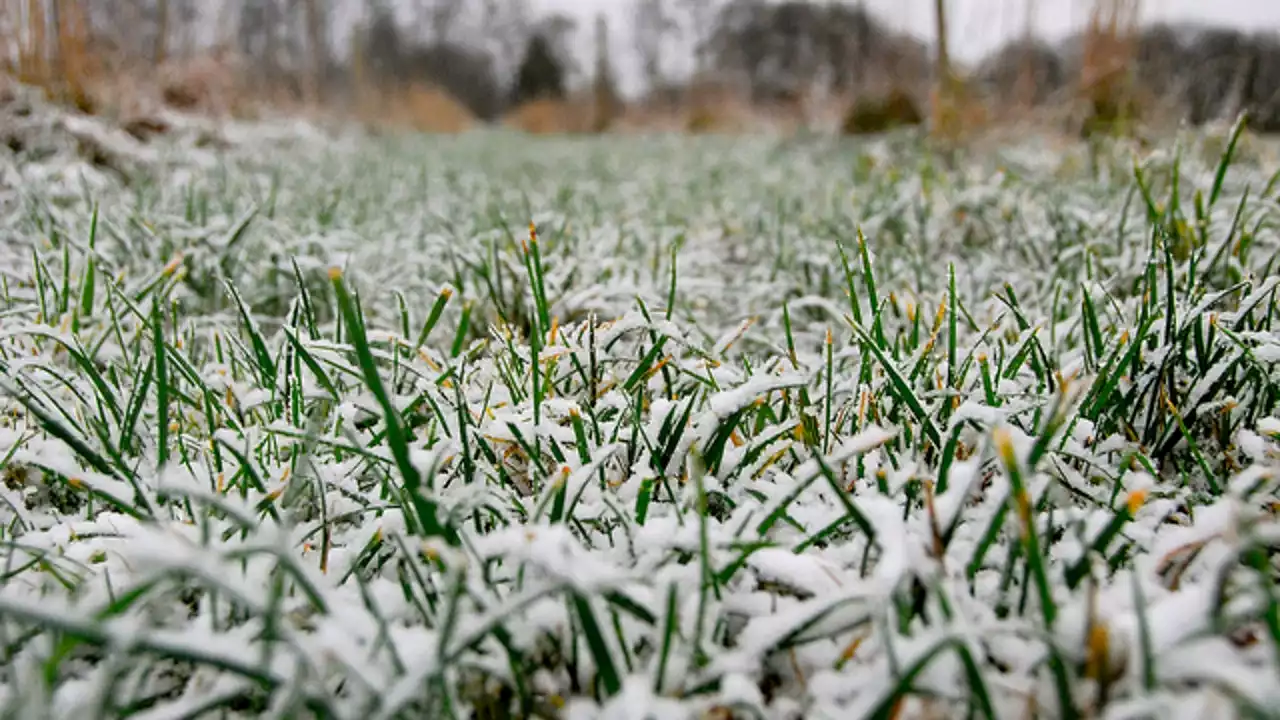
553	66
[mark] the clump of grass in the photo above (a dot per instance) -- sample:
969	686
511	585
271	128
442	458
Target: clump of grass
335	432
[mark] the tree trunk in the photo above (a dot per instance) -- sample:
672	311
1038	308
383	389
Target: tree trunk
316	43
944	59
1027	78
36	57
946	106
161	50
55	40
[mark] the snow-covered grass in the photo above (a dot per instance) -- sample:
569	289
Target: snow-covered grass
742	429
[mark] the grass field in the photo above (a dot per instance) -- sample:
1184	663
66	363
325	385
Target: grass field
738	428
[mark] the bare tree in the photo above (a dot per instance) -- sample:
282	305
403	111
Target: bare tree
383	47
272	35
55	43
786	50
135	32
507	25
943	55
318	44
701	23
652	24
558	30
444	18
605	89
162	33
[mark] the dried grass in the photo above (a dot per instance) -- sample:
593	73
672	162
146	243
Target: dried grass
53	51
957	114
706	119
417	107
207	84
646	119
53	48
720	109
1110	42
554	117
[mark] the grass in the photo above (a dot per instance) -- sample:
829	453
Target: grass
733	429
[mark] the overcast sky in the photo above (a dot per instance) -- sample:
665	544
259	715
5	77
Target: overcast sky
977	26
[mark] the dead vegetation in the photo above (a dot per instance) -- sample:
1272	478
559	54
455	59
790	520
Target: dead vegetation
420	108
549	116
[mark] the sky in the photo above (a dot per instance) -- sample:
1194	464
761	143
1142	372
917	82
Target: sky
977	26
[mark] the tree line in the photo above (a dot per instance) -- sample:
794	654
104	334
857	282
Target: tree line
494	55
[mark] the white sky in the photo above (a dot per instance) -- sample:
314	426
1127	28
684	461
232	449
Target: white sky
977	26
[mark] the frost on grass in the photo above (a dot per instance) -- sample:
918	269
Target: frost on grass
320	429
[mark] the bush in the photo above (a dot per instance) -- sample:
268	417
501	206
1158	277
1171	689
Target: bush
893	111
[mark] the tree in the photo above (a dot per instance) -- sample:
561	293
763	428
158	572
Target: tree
162	32
1158	60
559	31
541	74
1226	77
785	50
605	89
1262	84
318	47
136	31
443	18
466	73
383	54
506	27
700	23
942	54
652	24
1027	72
258	34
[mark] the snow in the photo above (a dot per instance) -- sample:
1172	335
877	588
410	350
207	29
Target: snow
274	544
811	575
725	403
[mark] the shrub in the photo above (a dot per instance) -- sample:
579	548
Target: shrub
894	110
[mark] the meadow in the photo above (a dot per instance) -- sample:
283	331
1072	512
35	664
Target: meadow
651	427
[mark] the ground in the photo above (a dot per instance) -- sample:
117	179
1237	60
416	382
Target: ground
486	426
